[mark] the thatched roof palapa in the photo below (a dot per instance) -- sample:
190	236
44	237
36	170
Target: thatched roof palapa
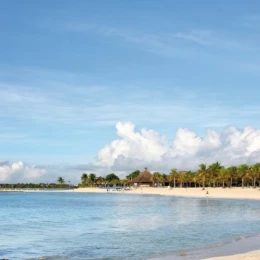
143	177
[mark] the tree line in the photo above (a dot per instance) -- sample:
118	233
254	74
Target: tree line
213	175
61	184
36	186
92	180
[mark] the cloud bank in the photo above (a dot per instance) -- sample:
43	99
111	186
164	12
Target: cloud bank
19	172
147	148
135	149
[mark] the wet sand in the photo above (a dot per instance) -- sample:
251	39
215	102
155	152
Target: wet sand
255	255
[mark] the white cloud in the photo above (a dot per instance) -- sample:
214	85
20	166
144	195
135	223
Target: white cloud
20	172
186	142
147	145
147	148
135	149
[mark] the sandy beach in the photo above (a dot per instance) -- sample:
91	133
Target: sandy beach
255	255
225	193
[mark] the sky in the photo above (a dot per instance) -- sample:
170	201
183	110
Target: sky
119	85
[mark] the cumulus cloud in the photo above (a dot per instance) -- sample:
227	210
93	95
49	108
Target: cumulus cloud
19	172
135	149
147	148
147	145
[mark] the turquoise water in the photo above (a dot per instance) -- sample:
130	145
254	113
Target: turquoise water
117	226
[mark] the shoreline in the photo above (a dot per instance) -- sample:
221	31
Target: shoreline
244	248
218	193
247	193
253	255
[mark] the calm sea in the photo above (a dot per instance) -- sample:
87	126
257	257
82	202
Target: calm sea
117	226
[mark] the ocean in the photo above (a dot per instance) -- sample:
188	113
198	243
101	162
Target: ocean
57	225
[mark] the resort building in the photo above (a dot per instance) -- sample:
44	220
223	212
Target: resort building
145	178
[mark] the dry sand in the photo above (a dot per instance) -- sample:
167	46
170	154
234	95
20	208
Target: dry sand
255	255
227	193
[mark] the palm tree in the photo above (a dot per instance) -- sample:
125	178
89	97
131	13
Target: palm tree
188	178
92	178
232	173
242	171
195	179
255	173
202	172
124	182
214	170
258	176
223	176
181	178
161	179
61	180
173	176
84	179
156	177
114	182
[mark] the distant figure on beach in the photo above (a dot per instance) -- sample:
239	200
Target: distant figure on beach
207	193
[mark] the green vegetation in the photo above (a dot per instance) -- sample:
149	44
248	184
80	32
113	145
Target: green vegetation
91	180
36	186
61	180
88	180
111	177
214	175
173	176
132	175
59	185
84	179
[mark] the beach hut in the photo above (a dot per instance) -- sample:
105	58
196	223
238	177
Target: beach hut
145	178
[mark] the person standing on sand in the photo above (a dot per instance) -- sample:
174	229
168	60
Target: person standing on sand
207	193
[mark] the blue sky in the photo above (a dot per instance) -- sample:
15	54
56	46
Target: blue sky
71	70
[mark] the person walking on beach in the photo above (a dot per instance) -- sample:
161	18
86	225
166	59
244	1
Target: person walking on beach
207	193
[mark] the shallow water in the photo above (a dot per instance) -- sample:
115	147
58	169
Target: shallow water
117	226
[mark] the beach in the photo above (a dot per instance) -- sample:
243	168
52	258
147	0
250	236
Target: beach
223	193
255	255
